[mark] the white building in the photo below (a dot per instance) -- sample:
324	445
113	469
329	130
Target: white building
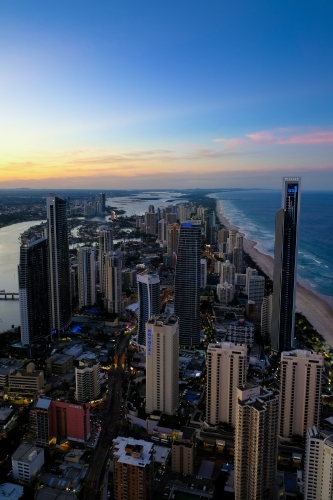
241	332
266	317
256	443
225	293
318	464
87	380
226	370
86	257
256	289
162	364
232	240
203	264
27	461
113	281
300	386
249	272
227	273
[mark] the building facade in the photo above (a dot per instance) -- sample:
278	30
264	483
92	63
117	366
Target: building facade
318	464
87	380
172	243
86	257
162	364
105	239
58	262
300	386
34	289
113	281
285	266
256	443
149	302
226	370
187	283
27	461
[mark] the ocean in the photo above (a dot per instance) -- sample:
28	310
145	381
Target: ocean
254	212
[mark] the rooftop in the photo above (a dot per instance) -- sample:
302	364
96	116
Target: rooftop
26	451
133	451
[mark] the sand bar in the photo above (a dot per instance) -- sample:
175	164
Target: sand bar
317	308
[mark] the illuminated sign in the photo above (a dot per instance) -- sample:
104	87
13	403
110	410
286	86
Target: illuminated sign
149	341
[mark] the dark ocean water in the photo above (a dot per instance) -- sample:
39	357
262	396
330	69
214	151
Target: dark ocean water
254	212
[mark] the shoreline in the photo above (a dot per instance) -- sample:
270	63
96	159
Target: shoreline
316	307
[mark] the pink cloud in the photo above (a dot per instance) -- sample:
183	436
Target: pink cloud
281	136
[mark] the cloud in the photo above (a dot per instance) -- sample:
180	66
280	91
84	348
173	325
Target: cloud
282	136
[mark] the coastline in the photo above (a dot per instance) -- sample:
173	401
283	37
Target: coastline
317	308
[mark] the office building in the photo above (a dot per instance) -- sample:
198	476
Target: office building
113	281
60	419
86	257
300	387
241	332
183	451
285	266
203	277
266	317
33	289
256	443
172	243
105	246
58	263
102	202
133	469
226	370
318	468
162	364
27	461
149	302
187	283
256	289
227	273
87	380
225	293
162	230
150	223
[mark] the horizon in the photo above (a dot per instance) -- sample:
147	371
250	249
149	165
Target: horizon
150	94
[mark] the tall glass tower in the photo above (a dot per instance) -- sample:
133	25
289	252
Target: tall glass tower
285	266
58	262
187	283
149	302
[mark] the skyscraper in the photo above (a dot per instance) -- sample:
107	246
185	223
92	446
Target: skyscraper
113	281
87	380
187	283
256	443
162	364
87	276
102	202
149	302
105	246
285	266
318	464
33	289
226	370
300	386
172	242
58	262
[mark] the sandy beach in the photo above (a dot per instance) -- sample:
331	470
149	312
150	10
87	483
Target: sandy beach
317	308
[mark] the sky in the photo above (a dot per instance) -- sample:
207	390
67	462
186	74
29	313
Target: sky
165	94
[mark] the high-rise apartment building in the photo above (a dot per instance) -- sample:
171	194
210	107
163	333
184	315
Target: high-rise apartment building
150	223
266	317
172	242
102	202
232	240
133	469
113	281
300	387
86	258
209	226
256	443
223	235
225	293
187	283
203	280
162	364
227	273
58	262
33	289
237	254
256	289
226	370
285	266
318	464
105	246
162	230
87	380
183	451
149	302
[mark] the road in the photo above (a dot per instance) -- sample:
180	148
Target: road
94	484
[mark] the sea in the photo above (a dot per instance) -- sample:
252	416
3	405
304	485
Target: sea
253	211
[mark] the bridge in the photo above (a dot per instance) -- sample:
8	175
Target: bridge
12	295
